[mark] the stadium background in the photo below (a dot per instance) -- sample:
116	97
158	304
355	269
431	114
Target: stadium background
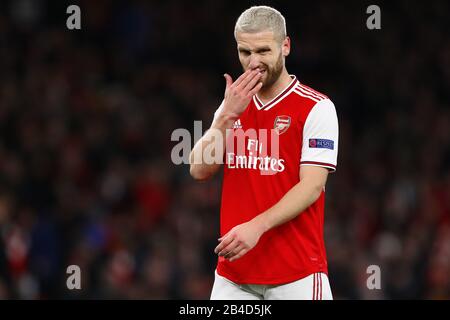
86	118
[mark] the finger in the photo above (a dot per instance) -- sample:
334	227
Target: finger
234	251
224	236
228	250
239	255
228	79
247	79
230	247
242	77
255	89
225	242
251	84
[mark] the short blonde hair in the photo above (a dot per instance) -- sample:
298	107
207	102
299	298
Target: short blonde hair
261	18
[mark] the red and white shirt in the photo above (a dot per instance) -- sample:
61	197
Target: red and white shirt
297	127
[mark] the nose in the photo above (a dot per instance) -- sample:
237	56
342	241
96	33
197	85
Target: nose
254	62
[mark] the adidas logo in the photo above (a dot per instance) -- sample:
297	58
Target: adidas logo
237	124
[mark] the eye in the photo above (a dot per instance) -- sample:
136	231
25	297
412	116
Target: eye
263	51
244	52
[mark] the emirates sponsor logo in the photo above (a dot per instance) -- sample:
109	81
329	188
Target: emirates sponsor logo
237	148
256	158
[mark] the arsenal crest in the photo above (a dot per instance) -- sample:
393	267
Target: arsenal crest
281	124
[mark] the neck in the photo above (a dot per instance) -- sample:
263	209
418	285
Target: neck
266	94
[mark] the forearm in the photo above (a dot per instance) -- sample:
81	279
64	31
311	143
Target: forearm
236	99
295	201
206	158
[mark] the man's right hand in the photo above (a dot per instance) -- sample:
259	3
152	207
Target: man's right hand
239	93
237	98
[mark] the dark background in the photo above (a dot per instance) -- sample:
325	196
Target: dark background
86	118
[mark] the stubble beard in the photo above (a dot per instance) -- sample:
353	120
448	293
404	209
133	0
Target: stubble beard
273	74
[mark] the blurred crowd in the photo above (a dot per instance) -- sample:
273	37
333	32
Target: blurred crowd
86	118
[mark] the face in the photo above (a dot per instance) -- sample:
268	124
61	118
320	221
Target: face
261	50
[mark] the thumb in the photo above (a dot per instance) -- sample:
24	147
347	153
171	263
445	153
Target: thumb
228	79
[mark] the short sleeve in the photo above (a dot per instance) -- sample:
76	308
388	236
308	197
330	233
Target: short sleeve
320	136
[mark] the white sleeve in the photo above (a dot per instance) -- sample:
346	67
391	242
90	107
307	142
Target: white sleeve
320	136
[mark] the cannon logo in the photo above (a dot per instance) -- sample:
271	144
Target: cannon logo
281	124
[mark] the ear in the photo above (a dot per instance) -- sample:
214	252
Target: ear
286	46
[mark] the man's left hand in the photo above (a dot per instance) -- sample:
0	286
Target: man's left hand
239	240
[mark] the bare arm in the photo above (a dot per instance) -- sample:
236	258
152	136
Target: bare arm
237	98
242	238
296	200
202	166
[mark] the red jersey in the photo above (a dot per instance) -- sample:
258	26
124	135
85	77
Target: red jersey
259	172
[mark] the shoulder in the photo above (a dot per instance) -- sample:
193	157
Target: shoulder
308	94
311	101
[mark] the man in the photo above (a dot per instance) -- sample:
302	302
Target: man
272	210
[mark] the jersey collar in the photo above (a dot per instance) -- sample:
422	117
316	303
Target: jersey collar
284	93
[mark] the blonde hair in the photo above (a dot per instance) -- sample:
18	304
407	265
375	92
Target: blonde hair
261	18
